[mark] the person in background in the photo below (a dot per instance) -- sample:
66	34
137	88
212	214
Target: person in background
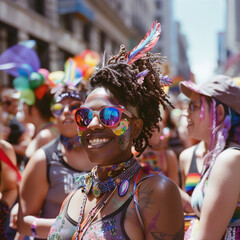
16	135
217	104
40	115
158	156
35	99
56	165
117	199
9	177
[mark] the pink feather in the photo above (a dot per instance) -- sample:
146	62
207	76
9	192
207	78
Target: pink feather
145	45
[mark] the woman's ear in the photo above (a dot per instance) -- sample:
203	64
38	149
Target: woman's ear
220	113
137	127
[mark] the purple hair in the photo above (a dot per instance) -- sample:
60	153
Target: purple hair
220	133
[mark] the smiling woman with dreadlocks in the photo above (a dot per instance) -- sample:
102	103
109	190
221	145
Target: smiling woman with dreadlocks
118	200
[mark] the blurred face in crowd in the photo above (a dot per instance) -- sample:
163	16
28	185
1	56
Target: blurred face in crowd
10	105
198	128
62	112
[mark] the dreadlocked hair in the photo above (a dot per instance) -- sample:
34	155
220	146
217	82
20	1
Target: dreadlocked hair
120	78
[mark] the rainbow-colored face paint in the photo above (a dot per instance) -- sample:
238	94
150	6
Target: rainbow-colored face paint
122	127
80	133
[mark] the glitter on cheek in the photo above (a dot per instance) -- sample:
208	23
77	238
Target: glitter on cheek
121	128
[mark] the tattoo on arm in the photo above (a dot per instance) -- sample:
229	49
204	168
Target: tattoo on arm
145	197
163	236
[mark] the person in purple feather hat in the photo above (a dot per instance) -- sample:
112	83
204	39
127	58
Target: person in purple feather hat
117	199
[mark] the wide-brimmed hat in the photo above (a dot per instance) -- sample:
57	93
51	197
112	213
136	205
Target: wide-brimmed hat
223	88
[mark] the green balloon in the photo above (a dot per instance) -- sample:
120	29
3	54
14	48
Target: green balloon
28	96
20	83
36	80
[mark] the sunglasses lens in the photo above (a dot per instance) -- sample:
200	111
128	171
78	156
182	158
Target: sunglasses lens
83	117
57	109
109	116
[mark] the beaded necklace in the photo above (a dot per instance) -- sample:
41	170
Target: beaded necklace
70	143
92	213
114	170
91	183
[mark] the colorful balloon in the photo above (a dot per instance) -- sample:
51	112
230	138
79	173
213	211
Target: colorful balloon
36	80
25	70
20	83
28	96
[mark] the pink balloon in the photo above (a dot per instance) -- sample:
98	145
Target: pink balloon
44	72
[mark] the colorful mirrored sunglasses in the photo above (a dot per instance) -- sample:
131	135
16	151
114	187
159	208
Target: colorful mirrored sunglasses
58	108
109	116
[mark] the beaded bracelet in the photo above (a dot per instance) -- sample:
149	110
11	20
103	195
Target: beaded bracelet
34	226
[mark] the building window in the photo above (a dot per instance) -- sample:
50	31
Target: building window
102	41
42	50
158	4
37	6
66	21
114	47
87	31
63	56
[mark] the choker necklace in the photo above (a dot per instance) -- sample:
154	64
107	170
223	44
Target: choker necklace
70	143
114	170
90	181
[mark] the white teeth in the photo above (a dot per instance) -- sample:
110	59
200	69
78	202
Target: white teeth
96	141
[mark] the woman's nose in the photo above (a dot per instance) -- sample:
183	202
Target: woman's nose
66	110
95	123
185	112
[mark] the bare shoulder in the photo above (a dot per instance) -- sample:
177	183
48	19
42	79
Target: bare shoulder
161	186
8	150
171	153
37	163
229	158
161	208
5	146
186	154
44	136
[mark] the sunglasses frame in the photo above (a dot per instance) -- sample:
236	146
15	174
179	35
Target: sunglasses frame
62	109
121	110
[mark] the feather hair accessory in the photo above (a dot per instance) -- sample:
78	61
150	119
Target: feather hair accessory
140	76
145	45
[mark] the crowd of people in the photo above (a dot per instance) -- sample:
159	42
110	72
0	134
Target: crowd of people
104	158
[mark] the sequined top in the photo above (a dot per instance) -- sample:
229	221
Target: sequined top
109	227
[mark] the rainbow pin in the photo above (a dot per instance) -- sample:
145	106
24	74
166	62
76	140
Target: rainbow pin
123	188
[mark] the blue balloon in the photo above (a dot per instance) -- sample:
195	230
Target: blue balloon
25	70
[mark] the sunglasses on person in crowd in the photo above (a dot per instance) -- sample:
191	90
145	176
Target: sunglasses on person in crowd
58	108
7	102
108	116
